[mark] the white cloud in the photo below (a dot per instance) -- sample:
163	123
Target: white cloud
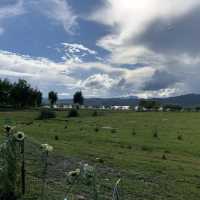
99	81
109	81
129	20
40	72
132	17
10	10
159	93
15	74
76	48
60	12
47	75
75	53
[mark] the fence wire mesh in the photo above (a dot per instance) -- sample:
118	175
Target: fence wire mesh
56	185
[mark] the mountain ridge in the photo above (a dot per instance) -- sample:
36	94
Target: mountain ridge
187	100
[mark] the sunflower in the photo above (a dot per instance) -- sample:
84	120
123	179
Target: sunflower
47	147
19	136
9	129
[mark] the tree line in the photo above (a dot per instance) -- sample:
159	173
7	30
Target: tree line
155	105
19	94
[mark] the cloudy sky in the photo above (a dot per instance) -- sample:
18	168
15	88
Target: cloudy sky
106	48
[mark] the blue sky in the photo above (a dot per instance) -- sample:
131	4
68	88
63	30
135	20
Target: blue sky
106	48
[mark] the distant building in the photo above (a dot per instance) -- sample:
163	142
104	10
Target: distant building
136	108
55	106
120	107
144	109
102	108
46	106
67	106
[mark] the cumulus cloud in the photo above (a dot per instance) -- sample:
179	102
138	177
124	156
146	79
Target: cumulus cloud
156	39
130	18
40	72
158	33
100	79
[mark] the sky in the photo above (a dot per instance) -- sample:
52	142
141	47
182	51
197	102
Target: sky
105	48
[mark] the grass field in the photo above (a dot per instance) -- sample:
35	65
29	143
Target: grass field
157	155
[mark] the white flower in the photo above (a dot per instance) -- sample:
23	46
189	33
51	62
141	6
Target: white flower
19	136
47	147
88	171
74	173
9	129
118	182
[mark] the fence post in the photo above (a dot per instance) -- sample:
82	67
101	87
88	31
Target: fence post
46	149
23	171
44	173
116	192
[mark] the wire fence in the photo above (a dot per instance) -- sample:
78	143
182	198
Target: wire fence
49	176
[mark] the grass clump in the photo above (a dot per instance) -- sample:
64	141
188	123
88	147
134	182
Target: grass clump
56	137
96	129
73	113
180	137
95	113
46	114
155	133
146	148
133	132
164	157
113	130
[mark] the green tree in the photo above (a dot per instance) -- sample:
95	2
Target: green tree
19	94
39	98
78	98
149	104
5	89
53	97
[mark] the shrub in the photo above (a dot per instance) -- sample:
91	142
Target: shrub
164	157
146	148
73	113
113	130
155	134
46	114
100	160
167	151
133	132
65	127
95	113
56	137
180	137
96	129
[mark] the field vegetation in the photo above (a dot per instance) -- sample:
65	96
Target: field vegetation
157	155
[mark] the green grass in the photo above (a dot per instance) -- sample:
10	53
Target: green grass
137	157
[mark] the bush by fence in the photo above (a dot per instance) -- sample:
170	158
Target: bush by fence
46	114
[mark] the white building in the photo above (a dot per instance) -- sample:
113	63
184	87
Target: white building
120	107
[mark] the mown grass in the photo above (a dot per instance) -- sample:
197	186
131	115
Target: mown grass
161	167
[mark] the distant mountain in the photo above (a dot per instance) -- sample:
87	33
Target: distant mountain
132	101
189	100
